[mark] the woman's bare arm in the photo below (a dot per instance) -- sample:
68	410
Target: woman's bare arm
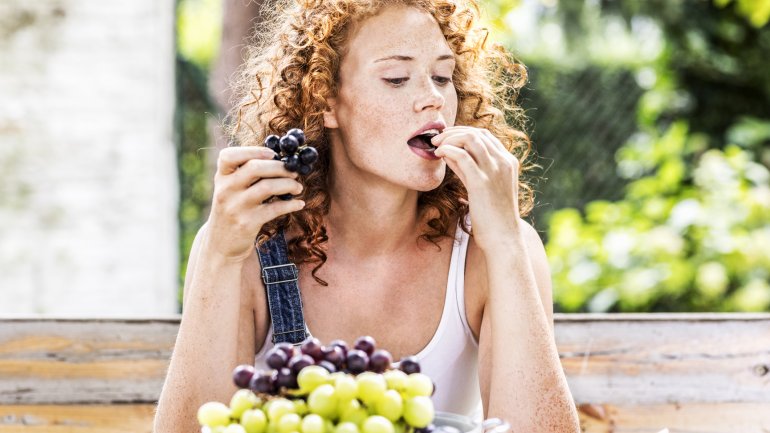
216	334
217	328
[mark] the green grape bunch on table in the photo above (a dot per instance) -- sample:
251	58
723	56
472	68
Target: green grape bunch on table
334	389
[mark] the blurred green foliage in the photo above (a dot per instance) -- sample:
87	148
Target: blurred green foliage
691	230
756	11
198	35
199	27
691	234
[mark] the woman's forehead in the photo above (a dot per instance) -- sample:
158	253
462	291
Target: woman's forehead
397	30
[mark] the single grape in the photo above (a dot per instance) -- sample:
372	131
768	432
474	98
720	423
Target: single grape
352	411
418	411
409	365
214	414
242	375
377	424
276	358
313	423
278	408
289	423
342	345
313	348
365	343
272	142
286	196
234	428
371	386
346	387
323	401
304	169
254	421
418	384
346	427
300	407
242	400
287	348
298	362
298	134
308	155
334	354
286	379
357	361
311	377
264	382
396	379
328	366
289	144
390	405
380	361
291	162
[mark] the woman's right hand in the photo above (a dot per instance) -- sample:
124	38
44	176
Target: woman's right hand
247	176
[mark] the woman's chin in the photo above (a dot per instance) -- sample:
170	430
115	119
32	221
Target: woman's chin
430	181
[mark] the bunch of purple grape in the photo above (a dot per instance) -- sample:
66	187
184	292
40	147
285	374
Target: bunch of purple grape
286	363
291	149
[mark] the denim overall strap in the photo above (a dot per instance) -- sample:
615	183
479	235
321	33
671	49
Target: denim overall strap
283	298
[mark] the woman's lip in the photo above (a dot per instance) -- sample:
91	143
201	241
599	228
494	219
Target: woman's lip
424	153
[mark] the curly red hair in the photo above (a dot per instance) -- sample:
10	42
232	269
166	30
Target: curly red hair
292	67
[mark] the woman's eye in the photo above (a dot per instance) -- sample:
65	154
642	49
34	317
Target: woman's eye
442	80
396	81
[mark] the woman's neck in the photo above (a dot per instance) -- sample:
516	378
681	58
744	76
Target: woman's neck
379	220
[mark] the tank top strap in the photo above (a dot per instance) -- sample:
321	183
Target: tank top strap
283	296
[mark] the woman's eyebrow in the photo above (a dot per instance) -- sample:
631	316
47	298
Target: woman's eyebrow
409	58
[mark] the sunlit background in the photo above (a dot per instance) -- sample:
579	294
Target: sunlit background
650	120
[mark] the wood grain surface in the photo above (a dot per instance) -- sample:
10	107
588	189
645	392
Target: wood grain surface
627	372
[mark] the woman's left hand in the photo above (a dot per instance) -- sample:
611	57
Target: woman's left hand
491	175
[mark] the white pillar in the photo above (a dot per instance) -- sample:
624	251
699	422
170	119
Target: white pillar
88	178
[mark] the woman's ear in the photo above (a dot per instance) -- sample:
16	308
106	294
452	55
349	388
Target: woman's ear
330	115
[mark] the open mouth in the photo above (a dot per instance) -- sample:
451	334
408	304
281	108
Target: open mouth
422	141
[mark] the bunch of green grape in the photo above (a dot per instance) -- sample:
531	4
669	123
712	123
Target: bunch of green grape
390	401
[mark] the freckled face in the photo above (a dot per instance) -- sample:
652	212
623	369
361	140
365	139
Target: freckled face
394	78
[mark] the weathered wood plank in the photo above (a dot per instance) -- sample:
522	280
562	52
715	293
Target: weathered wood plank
700	418
638	359
77	419
688	418
624	359
83	361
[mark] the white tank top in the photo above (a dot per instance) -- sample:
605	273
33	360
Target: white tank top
451	356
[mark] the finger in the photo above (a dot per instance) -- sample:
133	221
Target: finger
230	158
502	156
474	143
497	147
461	162
269	211
255	169
266	188
450	130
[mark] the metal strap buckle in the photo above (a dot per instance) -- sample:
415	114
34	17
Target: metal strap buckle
304	332
294	271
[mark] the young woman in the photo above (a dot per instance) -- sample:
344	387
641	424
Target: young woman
380	232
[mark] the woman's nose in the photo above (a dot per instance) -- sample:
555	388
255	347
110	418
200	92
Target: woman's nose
430	96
